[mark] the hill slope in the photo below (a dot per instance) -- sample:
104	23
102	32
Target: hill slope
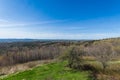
52	71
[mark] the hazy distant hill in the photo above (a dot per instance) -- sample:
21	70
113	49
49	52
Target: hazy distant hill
31	40
17	40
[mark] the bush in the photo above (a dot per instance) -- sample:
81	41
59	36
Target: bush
74	55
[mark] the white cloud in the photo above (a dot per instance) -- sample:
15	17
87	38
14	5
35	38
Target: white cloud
44	35
5	23
2	20
6	31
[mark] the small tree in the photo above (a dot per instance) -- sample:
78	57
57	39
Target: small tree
74	56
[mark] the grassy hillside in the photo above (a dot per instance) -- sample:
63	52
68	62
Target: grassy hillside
52	71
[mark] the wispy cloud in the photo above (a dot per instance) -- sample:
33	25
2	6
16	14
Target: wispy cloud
76	28
2	20
10	33
5	23
80	30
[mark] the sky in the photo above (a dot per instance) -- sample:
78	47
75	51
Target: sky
59	19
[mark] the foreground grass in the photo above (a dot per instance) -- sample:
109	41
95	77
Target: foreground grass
52	71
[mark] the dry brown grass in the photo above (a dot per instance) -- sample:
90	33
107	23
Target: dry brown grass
89	58
112	72
21	67
108	77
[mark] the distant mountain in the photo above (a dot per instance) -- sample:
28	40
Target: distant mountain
17	40
31	40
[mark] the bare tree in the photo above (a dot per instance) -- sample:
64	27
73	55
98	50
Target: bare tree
103	52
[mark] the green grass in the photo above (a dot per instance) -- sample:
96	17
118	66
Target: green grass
52	71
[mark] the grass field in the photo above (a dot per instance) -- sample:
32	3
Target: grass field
52	71
59	71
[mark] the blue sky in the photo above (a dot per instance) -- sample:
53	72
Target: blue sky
59	19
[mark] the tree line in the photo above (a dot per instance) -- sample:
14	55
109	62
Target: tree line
21	52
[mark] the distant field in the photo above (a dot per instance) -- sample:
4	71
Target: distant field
52	71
